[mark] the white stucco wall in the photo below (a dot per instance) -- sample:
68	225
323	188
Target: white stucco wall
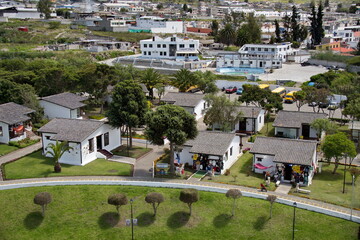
80	154
267	161
230	160
260	120
4	138
54	111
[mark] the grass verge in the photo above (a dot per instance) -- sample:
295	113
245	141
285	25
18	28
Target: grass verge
82	212
134	152
5	149
35	165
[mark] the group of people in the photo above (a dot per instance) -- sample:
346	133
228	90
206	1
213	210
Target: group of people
202	162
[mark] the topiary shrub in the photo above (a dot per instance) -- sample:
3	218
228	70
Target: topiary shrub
189	196
234	194
43	199
154	199
117	200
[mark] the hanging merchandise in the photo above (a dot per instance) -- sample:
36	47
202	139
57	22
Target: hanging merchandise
296	168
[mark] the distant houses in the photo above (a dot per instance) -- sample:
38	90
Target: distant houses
285	159
63	105
210	151
192	102
13	121
89	139
294	124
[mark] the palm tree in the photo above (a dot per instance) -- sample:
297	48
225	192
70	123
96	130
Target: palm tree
57	150
227	34
184	79
151	78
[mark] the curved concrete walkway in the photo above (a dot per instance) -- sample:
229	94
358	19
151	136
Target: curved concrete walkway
312	205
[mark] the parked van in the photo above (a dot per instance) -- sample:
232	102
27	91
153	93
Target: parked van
264	86
289	97
280	90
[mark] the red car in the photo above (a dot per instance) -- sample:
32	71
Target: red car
231	89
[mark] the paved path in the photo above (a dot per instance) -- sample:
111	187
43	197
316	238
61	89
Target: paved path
123	159
304	203
145	163
18	154
283	188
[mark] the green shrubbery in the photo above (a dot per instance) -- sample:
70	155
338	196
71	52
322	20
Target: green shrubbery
23	143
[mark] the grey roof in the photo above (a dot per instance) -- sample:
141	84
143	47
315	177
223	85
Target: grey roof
11	113
71	130
294	119
183	99
212	143
249	112
68	100
286	150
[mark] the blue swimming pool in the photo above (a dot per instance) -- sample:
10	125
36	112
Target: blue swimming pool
240	71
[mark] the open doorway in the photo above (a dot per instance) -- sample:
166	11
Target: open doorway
99	142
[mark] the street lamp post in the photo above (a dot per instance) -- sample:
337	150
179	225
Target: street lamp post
132	219
293	235
344	175
352	197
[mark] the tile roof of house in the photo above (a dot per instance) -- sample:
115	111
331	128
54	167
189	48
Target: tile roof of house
66	99
11	113
286	150
212	143
183	99
249	112
294	119
71	130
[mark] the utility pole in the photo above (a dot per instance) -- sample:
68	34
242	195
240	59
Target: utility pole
293	236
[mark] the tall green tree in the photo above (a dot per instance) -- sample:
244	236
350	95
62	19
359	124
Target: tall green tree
338	146
324	125
151	78
313	25
300	99
277	32
171	122
319	34
44	6
56	151
227	34
184	79
250	32
353	109
206	81
295	26
287	36
128	106
222	112
214	28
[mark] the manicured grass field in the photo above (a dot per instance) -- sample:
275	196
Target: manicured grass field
5	149
82	212
36	166
134	152
328	187
245	177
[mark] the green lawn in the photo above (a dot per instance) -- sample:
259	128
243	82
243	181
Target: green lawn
268	130
36	166
245	177
328	187
134	152
82	212
5	149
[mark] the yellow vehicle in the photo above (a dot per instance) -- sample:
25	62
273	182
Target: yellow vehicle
264	86
289	97
280	90
193	89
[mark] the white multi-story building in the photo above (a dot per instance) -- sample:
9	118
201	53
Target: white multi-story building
170	48
157	25
257	56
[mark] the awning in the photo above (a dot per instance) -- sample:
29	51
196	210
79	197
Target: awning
260	166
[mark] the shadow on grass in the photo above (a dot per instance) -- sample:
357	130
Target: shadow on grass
178	219
33	220
146	219
222	220
108	220
260	222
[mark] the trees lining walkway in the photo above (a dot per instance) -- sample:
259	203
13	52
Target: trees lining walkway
312	205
